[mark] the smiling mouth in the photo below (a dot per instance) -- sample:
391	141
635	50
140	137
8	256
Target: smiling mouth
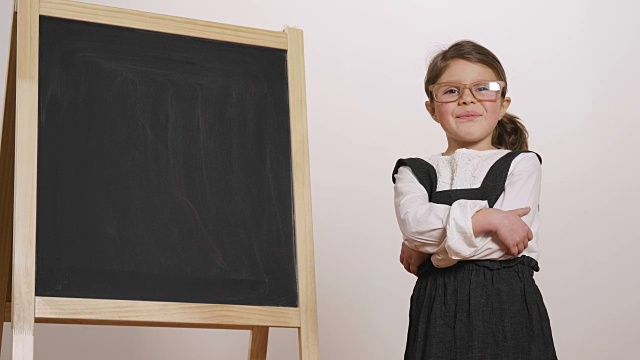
470	116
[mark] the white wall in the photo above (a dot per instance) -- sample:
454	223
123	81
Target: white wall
573	74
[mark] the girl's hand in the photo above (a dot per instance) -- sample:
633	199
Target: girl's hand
512	231
507	227
411	259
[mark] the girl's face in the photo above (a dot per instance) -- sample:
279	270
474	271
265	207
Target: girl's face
468	123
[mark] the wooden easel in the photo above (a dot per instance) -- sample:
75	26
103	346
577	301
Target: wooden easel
18	215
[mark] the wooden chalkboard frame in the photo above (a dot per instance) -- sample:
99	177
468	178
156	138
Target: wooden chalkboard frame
18	205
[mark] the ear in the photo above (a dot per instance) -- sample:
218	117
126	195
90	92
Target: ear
505	106
431	109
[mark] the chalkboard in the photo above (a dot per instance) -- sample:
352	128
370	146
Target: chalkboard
164	168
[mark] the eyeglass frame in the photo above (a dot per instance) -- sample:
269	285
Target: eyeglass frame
463	87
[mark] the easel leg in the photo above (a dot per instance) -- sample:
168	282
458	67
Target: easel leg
25	182
7	148
308	343
259	340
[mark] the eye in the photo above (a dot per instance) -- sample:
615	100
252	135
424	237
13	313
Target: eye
450	91
447	92
482	88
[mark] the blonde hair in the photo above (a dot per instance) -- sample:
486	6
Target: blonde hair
510	133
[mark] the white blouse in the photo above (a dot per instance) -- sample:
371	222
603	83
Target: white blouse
446	231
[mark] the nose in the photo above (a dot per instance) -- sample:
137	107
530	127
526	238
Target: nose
467	97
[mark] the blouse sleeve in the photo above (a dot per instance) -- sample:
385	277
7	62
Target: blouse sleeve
522	189
426	225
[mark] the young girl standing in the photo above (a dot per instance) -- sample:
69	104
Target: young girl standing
469	218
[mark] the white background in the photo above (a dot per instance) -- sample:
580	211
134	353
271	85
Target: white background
573	75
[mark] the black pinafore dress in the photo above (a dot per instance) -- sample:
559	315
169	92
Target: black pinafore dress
477	309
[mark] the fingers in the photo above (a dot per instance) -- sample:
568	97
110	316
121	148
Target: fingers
518	248
411	259
409	265
522	245
522	211
513	250
413	268
406	263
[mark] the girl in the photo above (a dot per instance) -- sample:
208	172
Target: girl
469	218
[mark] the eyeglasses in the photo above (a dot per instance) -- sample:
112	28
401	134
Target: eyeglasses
481	90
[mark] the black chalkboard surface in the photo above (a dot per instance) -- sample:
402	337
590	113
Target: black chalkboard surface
164	168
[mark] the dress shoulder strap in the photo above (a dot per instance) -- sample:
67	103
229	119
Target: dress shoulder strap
493	183
423	171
